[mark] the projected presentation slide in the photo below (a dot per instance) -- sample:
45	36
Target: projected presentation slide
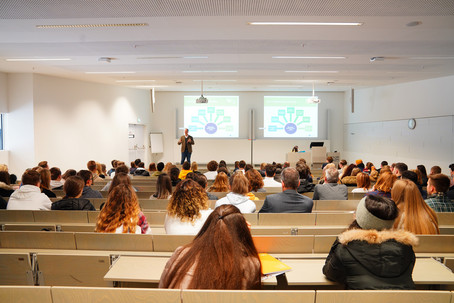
216	119
290	116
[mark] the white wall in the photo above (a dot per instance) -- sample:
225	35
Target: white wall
19	126
78	121
3	93
377	130
168	117
68	122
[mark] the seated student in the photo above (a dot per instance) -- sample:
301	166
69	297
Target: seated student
163	188
186	168
159	167
88	192
450	192
152	168
270	172
5	185
369	255
303	171
141	171
114	165
121	212
255	180
56	182
437	188
414	214
413	176
239	186
174	173
220	184
331	190
223	167
133	168
68	173
328	161
362	183
384	184
212	167
101	169
435	170
221	256
72	200
91	166
194	167
120	169
288	201
201	179
29	196
45	181
187	209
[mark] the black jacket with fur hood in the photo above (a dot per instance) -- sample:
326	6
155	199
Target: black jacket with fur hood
371	259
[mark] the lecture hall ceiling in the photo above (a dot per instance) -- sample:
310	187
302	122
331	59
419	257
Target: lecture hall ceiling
177	43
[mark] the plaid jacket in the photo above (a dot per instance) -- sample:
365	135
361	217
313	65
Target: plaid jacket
440	203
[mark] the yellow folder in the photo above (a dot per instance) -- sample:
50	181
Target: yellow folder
271	265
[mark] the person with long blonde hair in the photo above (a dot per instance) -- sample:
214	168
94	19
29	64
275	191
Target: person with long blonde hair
121	213
187	209
221	256
414	214
220	184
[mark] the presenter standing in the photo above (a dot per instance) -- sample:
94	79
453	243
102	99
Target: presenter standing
186	143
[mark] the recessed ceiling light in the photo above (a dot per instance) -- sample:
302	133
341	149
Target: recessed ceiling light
209	71
159	57
37	59
132	81
214	80
90	25
302	81
305	57
313	71
195	57
308	23
150	86
432	58
110	72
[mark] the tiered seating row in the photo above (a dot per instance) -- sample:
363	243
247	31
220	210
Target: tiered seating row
56	294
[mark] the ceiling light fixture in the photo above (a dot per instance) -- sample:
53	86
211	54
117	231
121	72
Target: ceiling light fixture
209	71
36	59
195	57
307	23
305	57
201	99
215	80
110	72
90	25
313	71
431	58
313	99
132	81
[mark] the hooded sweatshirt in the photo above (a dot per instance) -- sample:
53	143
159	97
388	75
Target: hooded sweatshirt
29	197
244	204
371	259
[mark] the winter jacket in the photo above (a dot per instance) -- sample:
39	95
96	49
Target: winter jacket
244	204
73	204
371	259
5	189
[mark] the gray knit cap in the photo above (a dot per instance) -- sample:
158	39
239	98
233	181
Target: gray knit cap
366	220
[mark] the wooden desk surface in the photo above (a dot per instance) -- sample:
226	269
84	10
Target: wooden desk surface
144	269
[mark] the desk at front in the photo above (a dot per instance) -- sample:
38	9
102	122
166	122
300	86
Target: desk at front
146	271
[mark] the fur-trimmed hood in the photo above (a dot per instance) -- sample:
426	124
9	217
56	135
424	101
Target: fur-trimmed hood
372	236
3	185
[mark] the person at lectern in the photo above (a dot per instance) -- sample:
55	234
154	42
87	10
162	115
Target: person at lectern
186	143
295	149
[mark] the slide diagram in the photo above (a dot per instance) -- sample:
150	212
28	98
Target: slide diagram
290	116
218	118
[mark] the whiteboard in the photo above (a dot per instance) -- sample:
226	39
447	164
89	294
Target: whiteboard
156	145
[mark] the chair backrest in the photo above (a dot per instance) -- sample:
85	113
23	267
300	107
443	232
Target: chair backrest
155	218
348	205
445	219
168	243
16	216
57	216
284	244
380	296
334	219
322	244
16	269
114	295
259	296
10	294
118	242
147	204
287	219
73	269
29	227
37	240
92	216
435	244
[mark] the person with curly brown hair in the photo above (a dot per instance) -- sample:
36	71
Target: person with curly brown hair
255	181
121	213
187	209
